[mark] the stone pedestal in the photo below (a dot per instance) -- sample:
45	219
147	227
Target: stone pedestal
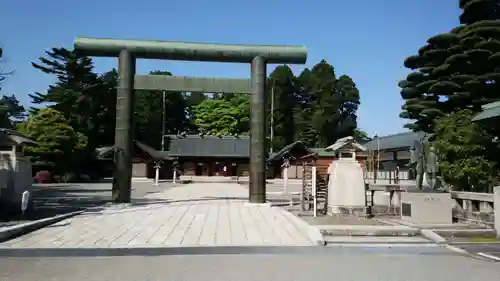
346	187
426	208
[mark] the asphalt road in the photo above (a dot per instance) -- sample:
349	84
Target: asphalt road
307	263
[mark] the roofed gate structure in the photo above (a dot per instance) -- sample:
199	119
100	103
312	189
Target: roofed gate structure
128	51
211	155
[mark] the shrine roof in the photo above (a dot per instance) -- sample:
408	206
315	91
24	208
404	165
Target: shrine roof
15	137
401	140
208	146
297	146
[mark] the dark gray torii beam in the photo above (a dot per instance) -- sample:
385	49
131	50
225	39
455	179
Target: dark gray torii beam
192	84
128	51
145	49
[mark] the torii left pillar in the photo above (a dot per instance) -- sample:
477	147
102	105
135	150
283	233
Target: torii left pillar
123	136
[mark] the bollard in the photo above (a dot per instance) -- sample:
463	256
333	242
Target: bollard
496	205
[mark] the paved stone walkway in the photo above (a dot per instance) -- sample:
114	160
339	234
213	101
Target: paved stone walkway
199	214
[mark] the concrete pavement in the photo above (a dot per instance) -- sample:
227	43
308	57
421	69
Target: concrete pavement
199	214
305	263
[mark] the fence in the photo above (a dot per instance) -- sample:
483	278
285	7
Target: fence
469	207
387	175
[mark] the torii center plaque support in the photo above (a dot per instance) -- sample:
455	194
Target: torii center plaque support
128	51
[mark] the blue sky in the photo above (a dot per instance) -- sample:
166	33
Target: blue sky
365	39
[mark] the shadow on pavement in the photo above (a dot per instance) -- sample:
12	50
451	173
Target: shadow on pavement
55	199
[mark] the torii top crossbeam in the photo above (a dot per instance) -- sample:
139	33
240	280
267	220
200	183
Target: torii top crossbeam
148	49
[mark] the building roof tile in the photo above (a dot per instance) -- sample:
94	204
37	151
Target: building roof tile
208	146
401	140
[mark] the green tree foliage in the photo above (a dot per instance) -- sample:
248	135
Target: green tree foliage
326	105
11	112
85	99
456	70
361	136
304	110
148	114
282	87
466	152
192	99
221	116
59	145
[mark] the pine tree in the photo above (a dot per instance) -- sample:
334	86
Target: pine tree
456	70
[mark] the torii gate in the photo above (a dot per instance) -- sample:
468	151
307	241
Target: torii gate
128	51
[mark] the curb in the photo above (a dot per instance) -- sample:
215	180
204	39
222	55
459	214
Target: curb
313	233
368	230
488	256
433	236
440	240
21	229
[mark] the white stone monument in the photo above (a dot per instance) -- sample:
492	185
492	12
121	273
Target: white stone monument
496	203
346	187
426	208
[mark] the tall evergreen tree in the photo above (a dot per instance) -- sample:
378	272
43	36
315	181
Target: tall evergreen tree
306	100
75	87
348	98
282	87
456	70
328	105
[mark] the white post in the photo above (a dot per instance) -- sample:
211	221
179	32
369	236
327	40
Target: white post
25	198
496	205
175	176
315	201
157	175
285	180
285	185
